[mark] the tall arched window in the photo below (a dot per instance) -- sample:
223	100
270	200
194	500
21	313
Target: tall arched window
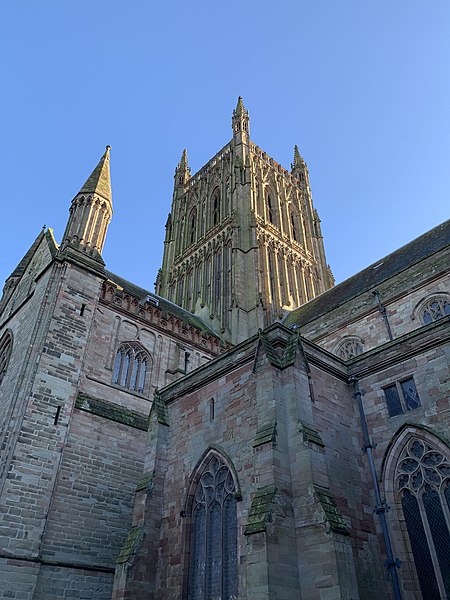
192	226
215	208
422	482
269	208
131	367
5	353
213	547
294	228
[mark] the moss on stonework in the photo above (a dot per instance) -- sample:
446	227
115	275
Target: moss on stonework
130	545
162	414
310	434
113	412
260	511
144	482
288	355
266	433
332	513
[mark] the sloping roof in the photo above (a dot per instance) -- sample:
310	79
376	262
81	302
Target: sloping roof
48	235
163	304
424	246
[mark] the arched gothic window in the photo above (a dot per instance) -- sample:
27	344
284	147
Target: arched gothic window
435	309
192	225
349	348
131	367
5	353
213	552
215	208
422	482
293	228
269	209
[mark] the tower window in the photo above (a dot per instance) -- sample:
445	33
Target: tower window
401	396
216	208
130	367
423	484
293	228
269	209
5	353
213	556
193	223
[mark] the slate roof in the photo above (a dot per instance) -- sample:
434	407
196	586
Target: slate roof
163	304
424	246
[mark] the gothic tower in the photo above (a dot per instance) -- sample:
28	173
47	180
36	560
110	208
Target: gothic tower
243	241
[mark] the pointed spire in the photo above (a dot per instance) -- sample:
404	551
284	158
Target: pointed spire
182	172
99	181
240	118
91	211
298	167
240	108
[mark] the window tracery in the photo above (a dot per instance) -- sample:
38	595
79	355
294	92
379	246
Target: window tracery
436	308
130	367
350	348
422	482
5	353
213	555
216	208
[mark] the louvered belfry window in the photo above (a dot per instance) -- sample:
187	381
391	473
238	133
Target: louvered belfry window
423	484
5	353
213	556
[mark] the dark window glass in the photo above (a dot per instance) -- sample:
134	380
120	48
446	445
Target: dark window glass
130	367
439	533
419	546
410	394
5	354
269	209
213	558
393	401
434	310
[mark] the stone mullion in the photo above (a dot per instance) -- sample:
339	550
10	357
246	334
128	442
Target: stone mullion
276	286
265	273
298	299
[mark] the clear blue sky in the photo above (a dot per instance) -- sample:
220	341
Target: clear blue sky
362	87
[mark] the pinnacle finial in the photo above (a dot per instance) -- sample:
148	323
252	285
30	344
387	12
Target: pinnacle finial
298	163
240	120
99	181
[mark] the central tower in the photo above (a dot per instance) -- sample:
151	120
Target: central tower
243	242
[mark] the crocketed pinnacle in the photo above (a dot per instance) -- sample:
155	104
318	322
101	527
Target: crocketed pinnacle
298	160
240	108
183	164
99	181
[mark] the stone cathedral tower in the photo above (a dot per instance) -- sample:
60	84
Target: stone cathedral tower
243	241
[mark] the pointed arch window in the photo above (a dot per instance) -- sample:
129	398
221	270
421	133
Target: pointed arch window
435	309
294	228
5	353
269	207
213	547
130	367
192	226
215	208
422	481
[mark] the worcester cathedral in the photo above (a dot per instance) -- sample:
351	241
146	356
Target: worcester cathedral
248	431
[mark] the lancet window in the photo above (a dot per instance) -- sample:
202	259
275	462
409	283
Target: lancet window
269	207
213	543
215	208
131	367
422	482
5	353
192	226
